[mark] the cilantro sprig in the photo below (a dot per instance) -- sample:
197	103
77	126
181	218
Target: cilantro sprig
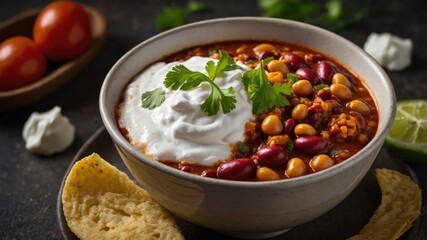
182	78
264	95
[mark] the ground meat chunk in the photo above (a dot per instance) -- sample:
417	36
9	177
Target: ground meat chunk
346	125
320	112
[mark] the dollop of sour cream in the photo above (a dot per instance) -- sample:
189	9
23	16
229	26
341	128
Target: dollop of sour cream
178	129
390	51
48	132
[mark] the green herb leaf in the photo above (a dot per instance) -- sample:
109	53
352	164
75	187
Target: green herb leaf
334	9
218	97
196	6
153	99
320	86
292	78
290	147
181	78
224	64
171	17
269	59
264	96
242	147
250	61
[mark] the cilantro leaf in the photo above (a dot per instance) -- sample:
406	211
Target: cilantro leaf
264	96
242	147
181	78
290	147
170	17
292	78
320	86
269	59
224	64
218	97
153	99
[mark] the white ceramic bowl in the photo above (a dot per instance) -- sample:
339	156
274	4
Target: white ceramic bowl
247	209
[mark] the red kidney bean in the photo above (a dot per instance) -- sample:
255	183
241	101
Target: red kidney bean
210	173
185	169
237	169
308	74
265	54
325	71
310	144
271	156
289	126
295	61
313	58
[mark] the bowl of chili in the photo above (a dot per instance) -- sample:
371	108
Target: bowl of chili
320	109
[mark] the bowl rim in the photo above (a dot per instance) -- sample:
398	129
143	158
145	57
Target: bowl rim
120	141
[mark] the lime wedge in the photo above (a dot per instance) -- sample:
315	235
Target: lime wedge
408	135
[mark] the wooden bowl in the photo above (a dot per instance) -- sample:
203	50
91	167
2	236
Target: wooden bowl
57	74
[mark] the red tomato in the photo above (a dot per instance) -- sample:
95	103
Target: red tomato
21	63
62	30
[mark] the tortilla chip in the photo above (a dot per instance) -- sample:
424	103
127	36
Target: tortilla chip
400	207
101	202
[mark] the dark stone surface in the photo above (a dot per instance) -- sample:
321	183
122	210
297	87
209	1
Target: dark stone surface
29	184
